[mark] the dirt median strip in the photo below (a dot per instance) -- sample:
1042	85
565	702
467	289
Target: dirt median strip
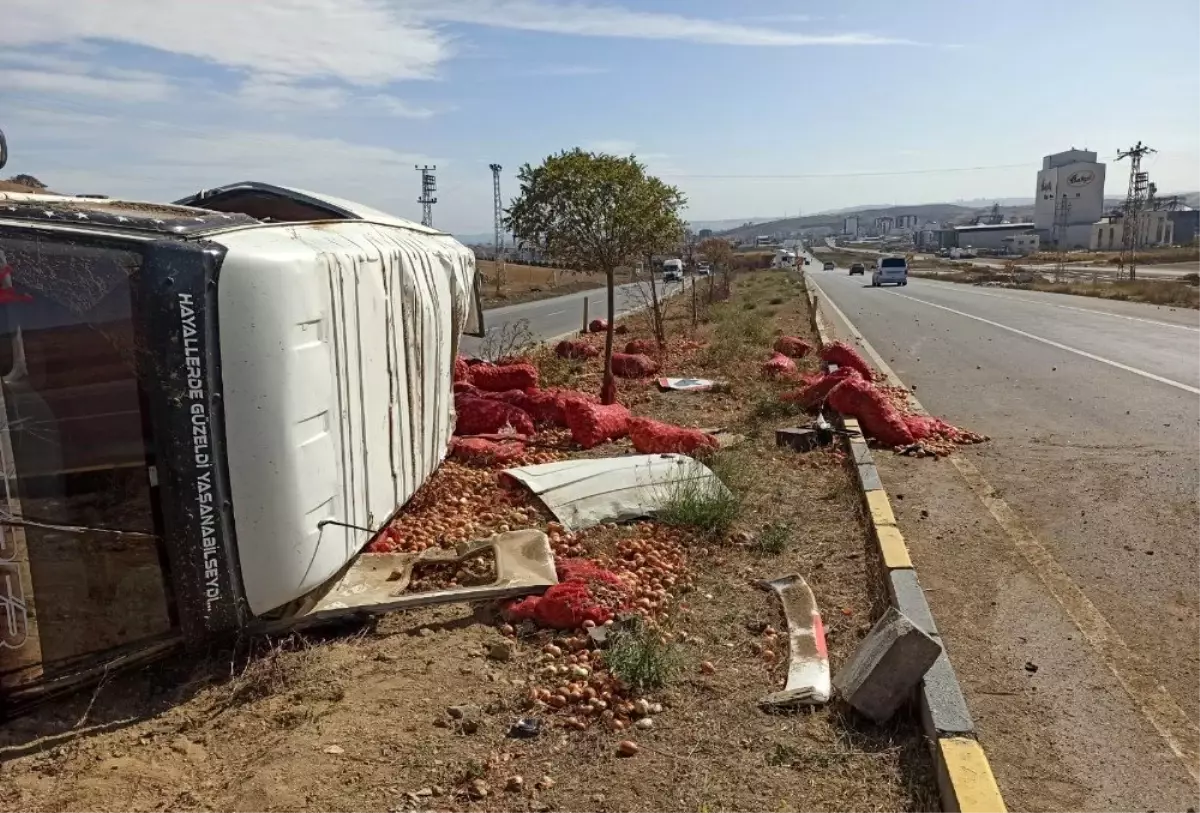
965	779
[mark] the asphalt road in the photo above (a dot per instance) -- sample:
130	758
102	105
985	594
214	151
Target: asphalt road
550	318
1093	408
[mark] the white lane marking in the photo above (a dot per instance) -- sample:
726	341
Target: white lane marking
970	289
1152	699
554	313
1145	374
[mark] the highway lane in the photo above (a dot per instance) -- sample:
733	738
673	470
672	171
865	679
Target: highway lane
1094	412
550	318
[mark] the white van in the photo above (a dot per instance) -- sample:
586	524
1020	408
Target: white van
890	270
673	271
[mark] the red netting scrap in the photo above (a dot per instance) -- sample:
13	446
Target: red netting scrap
654	437
498	378
593	424
585	592
792	346
627	365
486	416
779	365
843	355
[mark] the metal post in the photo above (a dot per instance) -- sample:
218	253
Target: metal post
585	314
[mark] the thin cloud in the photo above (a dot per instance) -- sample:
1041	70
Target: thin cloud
122	88
582	19
563	70
359	41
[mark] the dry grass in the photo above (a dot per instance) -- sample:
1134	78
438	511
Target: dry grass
1145	256
1168	293
525	283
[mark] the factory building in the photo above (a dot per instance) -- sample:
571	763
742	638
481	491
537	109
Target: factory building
850	226
1069	198
989	237
1157	229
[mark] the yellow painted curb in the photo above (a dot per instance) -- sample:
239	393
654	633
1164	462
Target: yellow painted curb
968	782
880	508
892	548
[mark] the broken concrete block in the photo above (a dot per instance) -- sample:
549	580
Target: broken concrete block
887	666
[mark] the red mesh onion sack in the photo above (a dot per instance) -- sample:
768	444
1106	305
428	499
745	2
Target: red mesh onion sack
630	365
483	451
655	437
485	416
466	388
498	378
575	349
843	355
598	326
585	592
818	387
876	414
779	365
792	346
593	424
640	347
462	370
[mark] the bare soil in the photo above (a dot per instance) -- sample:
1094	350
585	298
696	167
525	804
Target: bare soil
527	283
358	717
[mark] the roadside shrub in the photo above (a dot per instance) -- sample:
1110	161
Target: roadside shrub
639	657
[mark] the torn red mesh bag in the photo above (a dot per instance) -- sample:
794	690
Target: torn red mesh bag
778	366
655	437
593	424
792	346
843	355
483	451
877	416
462	370
818	387
498	378
585	592
598	326
575	349
627	365
485	416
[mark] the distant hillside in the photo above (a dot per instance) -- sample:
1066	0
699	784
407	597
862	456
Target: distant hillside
941	212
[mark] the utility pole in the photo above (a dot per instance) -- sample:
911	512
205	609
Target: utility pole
428	187
497	220
1135	202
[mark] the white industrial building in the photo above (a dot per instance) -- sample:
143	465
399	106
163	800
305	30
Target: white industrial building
850	226
1069	198
1157	229
997	237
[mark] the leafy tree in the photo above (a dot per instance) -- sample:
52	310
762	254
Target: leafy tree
720	254
596	212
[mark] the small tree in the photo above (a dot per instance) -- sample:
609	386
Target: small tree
596	212
720	254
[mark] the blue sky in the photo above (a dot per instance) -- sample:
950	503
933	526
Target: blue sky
157	98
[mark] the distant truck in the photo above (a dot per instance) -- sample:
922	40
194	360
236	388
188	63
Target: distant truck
672	270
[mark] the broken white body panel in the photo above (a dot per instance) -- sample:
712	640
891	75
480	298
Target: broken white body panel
583	493
808	680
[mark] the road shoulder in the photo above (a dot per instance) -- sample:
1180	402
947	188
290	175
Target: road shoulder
1058	727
